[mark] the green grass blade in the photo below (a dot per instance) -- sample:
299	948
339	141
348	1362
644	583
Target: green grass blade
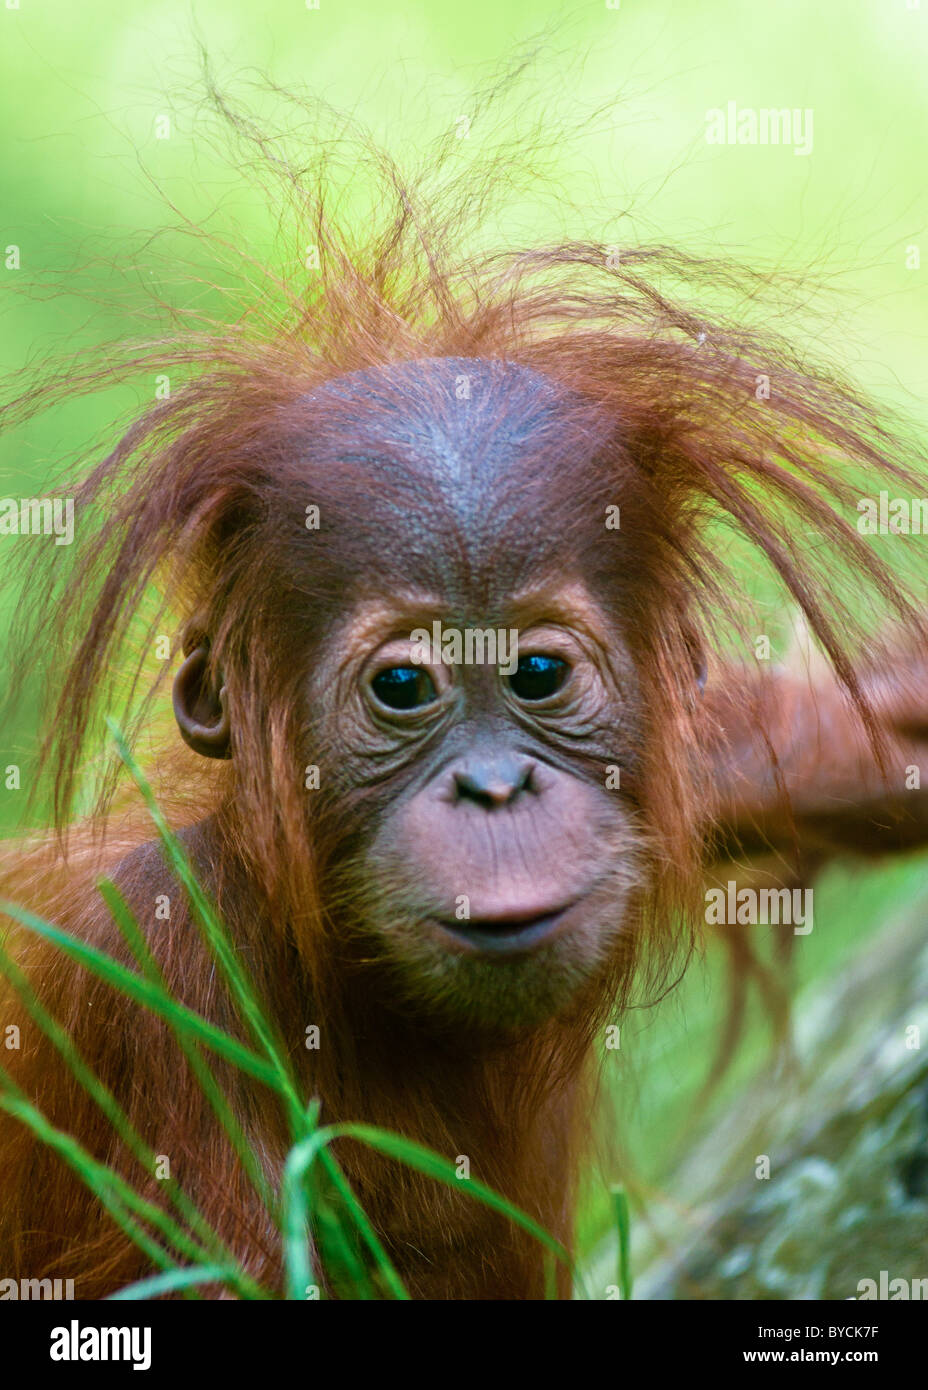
383	1264
124	919
623	1228
172	1281
216	937
297	1219
443	1170
295	1209
145	992
115	1194
297	1222
104	1098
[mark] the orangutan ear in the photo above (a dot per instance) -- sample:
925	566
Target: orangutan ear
200	706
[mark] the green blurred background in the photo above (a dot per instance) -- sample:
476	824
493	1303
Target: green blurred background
83	87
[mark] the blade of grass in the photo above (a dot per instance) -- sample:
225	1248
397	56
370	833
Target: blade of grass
170	1282
145	992
623	1228
296	1215
295	1209
443	1170
129	927
215	937
338	1254
104	1098
115	1194
424	1160
182	1019
384	1265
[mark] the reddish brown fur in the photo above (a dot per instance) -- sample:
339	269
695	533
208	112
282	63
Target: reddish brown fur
795	777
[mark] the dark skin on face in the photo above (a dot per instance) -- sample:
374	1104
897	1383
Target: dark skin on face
495	865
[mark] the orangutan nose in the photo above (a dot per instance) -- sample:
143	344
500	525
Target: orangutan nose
493	781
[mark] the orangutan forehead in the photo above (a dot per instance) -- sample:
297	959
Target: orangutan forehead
465	431
457	474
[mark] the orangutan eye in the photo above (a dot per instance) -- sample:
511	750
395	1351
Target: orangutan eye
404	687
537	677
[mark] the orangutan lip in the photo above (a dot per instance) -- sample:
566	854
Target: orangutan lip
508	935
